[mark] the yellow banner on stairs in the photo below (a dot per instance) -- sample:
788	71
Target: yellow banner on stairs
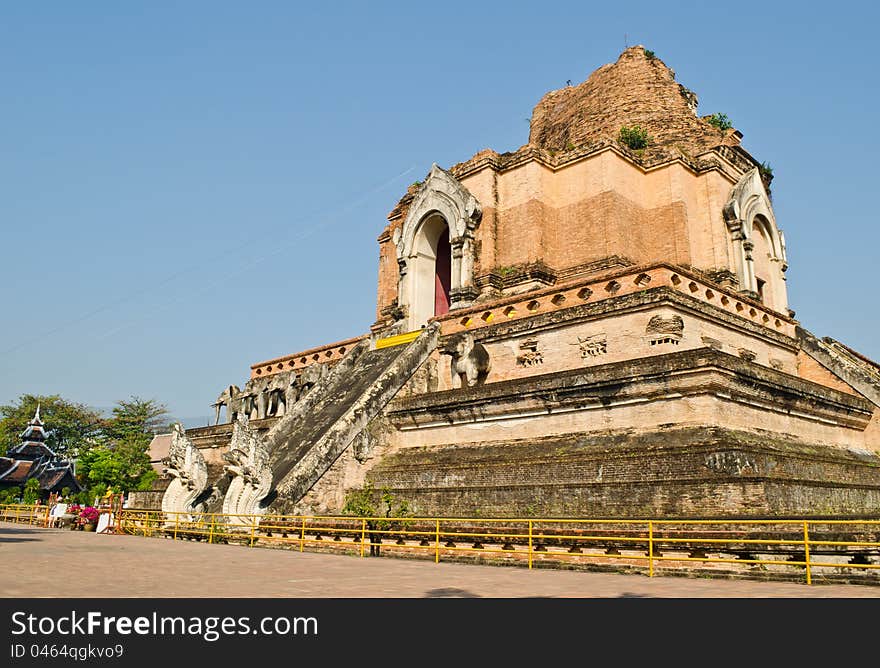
397	340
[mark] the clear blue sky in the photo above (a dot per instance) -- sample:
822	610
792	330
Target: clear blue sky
189	188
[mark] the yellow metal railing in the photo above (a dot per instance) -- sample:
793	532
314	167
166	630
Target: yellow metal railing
705	545
26	513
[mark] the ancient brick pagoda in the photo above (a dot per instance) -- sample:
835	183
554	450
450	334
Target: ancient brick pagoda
33	459
575	328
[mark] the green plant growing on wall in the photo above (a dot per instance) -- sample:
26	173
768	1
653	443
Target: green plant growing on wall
635	137
650	55
720	121
765	170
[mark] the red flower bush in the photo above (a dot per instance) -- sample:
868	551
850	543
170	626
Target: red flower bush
88	515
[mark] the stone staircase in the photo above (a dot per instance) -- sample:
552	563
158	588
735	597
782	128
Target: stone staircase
860	372
304	443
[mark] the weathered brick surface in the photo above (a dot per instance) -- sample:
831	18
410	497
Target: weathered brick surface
810	369
690	387
574	195
665	472
635	90
622	323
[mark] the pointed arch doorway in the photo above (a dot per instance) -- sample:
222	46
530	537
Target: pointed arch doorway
436	250
442	273
431	270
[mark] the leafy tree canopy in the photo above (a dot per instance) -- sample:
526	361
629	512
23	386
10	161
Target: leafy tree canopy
120	459
123	467
135	420
70	426
109	452
367	501
31	491
373	504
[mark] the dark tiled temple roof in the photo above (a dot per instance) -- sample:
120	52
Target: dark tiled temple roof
19	472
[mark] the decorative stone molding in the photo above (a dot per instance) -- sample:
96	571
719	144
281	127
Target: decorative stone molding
730	463
748	207
593	346
187	467
710	342
362	446
530	355
248	465
723	277
662	329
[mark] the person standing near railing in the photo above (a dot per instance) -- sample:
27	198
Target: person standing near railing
52	509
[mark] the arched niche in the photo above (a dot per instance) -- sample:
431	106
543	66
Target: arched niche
429	268
757	243
442	206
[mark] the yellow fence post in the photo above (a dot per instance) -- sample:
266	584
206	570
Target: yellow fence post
146	521
807	553
211	530
437	544
363	535
530	543
176	524
302	534
253	529
650	549
46	519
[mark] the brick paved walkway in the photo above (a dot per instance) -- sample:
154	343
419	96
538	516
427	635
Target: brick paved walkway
133	566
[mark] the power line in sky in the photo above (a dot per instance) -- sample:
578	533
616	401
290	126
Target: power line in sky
328	221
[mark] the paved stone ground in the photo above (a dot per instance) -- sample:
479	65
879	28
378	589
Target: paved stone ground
133	566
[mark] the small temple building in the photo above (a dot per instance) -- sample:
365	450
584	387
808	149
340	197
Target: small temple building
595	324
33	459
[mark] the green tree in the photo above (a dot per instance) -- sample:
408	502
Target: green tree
120	457
31	491
70	426
374	504
123	465
136	419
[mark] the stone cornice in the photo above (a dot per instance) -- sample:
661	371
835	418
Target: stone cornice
638	301
713	160
734	308
332	352
701	371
